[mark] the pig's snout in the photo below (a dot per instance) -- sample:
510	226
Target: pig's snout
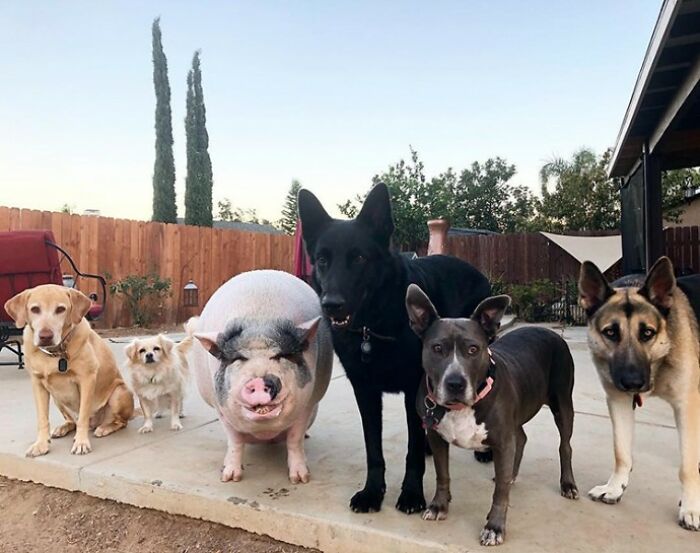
261	391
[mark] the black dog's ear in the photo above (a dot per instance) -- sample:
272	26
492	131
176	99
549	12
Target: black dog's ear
593	287
421	311
490	312
376	214
659	286
313	217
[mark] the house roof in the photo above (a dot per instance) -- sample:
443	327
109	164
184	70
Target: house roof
664	110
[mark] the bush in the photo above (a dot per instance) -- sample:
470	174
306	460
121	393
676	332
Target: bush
533	302
144	295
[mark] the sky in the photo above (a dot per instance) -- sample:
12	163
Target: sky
327	92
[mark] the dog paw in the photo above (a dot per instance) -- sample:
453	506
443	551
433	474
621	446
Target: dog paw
435	512
485	456
81	447
63	430
411	501
689	518
232	473
176	425
146	428
607	493
38	448
569	490
367	501
492	536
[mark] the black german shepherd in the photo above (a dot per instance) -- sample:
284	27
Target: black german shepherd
362	286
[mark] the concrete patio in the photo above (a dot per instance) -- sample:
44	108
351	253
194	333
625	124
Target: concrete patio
178	472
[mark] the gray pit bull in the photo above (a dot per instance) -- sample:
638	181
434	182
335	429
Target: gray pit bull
478	393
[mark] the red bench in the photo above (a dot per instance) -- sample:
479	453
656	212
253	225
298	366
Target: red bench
29	258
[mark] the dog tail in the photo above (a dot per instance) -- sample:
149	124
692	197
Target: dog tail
191	326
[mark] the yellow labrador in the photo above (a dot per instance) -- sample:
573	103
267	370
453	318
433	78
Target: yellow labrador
68	361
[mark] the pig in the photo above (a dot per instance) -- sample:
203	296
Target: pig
263	360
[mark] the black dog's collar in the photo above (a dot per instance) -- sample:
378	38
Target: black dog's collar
434	412
366	345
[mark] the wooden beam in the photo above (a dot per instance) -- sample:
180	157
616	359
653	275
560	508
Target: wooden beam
680	102
653	224
661	31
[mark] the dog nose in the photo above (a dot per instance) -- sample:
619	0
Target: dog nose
45	336
149	357
455	383
632	381
332	303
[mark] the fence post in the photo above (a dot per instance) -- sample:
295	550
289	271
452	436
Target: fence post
437	243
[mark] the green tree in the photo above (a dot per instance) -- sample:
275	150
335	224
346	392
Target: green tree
288	222
199	181
675	183
577	194
164	208
478	197
240	215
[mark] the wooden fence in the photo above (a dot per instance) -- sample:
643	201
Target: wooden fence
682	245
121	247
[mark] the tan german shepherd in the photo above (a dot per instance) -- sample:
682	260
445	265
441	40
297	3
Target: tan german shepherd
644	341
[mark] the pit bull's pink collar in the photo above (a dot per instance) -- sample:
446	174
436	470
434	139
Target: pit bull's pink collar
435	411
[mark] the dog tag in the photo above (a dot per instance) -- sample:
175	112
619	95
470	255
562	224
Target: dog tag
62	365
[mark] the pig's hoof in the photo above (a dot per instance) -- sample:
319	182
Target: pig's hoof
299	475
232	473
367	501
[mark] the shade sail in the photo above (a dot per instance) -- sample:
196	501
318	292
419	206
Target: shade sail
604	251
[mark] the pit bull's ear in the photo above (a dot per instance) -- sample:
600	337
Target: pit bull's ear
307	332
659	286
593	287
209	342
313	218
16	308
131	350
80	305
421	311
490	312
376	214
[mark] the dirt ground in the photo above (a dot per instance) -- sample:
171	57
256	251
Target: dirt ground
138	331
36	519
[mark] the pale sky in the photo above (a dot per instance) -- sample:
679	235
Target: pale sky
329	93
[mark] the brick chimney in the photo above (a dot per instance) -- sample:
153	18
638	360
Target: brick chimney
437	243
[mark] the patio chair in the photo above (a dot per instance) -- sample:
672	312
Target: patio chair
30	258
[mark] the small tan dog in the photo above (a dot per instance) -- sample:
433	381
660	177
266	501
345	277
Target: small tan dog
158	373
69	362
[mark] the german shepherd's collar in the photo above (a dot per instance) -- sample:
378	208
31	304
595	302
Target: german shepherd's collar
644	339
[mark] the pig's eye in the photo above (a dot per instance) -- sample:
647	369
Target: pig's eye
238	357
472	350
437	348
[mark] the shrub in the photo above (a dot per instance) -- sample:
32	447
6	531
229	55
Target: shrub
144	295
533	302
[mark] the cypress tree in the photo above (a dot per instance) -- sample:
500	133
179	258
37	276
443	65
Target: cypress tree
288	222
164	208
199	182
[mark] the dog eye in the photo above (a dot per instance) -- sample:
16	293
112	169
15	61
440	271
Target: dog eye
321	261
156	348
437	348
472	350
647	334
610	333
142	350
36	310
360	259
60	309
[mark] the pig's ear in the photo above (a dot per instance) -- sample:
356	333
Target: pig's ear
307	332
209	342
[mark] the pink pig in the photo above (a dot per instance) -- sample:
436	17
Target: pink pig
264	364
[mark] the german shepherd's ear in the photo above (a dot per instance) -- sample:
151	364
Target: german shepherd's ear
421	311
313	218
490	312
376	214
593	288
659	286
